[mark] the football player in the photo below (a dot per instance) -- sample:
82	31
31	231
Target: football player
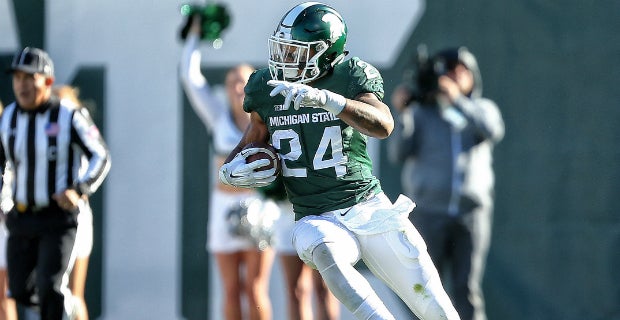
317	109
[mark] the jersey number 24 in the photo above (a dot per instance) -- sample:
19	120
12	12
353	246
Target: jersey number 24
331	138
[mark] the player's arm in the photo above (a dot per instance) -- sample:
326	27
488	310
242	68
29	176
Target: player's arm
368	115
236	171
365	113
255	132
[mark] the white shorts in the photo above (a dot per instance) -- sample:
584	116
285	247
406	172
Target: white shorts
84	234
219	237
283	233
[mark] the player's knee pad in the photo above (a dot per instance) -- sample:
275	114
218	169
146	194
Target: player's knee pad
407	244
389	255
403	244
330	255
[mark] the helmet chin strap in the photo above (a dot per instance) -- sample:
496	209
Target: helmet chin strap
339	58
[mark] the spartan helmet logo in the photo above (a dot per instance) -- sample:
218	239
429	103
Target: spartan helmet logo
336	27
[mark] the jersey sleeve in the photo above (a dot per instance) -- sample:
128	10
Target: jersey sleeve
364	78
88	138
257	91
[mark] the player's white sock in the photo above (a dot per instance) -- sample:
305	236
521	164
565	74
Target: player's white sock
348	285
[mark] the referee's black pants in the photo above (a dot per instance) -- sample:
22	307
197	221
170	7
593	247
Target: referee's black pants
39	250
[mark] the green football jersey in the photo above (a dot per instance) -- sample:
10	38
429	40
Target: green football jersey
325	162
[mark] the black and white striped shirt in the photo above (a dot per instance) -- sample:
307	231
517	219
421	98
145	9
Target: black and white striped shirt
45	149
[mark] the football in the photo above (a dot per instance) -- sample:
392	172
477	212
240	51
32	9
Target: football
271	154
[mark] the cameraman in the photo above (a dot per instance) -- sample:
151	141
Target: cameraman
445	137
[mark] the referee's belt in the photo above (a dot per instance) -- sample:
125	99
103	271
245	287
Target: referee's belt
22	207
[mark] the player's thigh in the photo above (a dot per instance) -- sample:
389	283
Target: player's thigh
311	231
400	259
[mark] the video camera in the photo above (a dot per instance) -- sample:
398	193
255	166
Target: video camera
428	71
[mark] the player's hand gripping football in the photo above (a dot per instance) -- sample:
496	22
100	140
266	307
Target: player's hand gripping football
238	173
306	96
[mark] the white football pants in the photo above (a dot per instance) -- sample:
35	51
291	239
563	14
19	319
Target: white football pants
398	257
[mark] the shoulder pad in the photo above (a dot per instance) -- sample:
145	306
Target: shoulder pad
257	81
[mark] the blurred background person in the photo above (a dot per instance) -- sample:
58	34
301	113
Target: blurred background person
234	253
43	221
84	234
445	136
8	311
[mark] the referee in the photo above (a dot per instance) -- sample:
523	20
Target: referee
44	142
